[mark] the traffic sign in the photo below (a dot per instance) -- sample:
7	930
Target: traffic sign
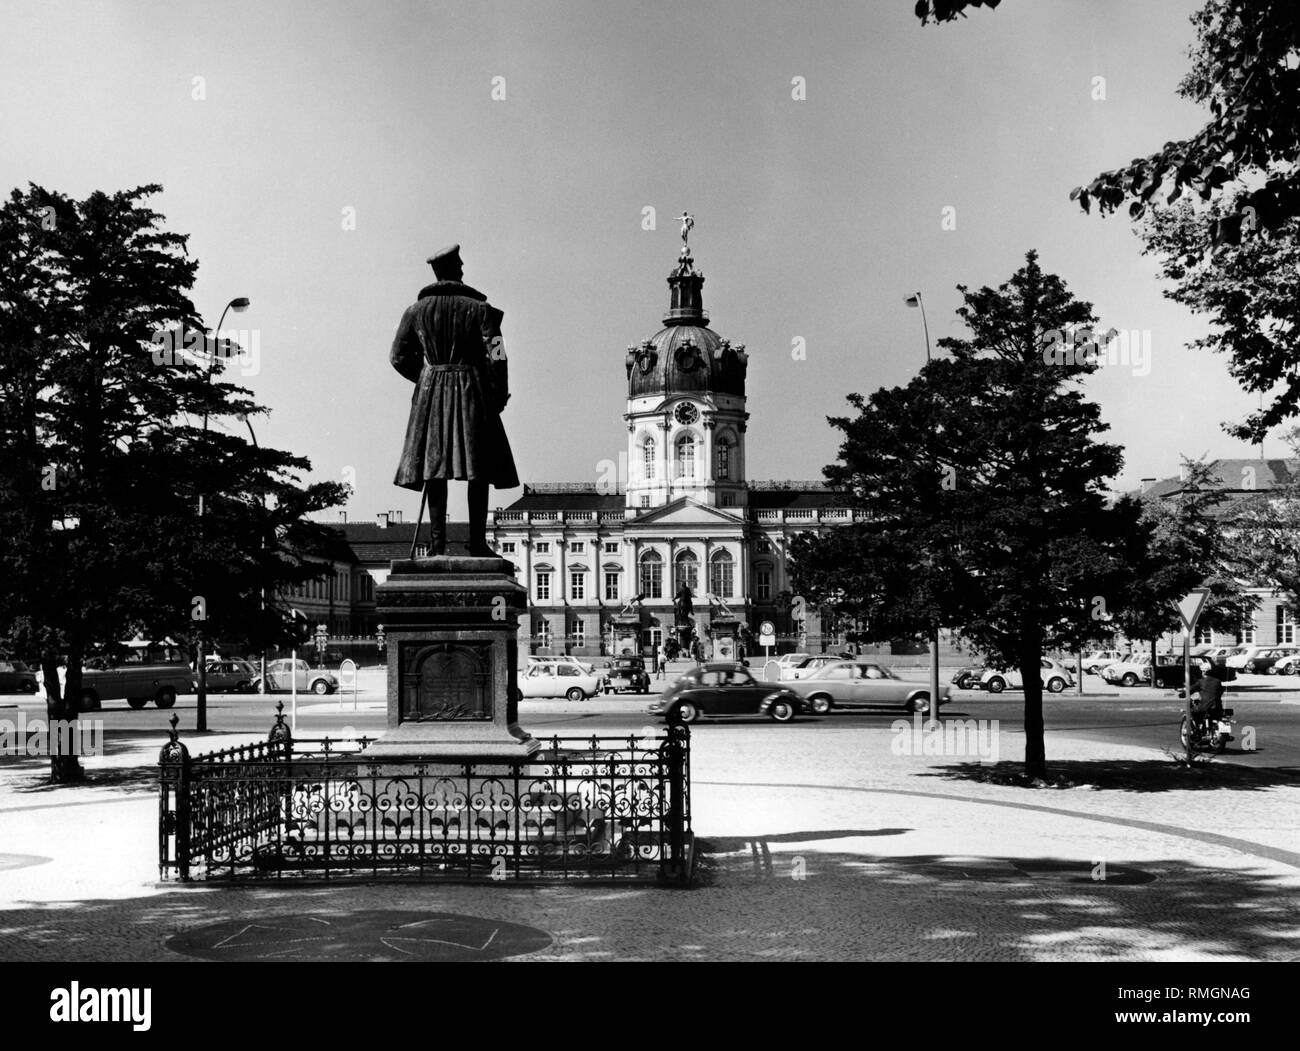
767	628
1191	605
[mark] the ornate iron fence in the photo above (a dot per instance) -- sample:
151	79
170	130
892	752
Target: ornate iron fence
592	808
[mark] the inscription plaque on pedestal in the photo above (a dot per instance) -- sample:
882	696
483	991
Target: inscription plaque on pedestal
452	627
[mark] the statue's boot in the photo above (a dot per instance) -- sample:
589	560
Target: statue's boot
478	501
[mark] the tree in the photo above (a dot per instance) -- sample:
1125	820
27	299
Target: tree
102	462
1232	255
982	485
1188	547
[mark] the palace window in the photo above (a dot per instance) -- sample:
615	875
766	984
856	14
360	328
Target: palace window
611	585
763	583
645	500
728	499
577	547
544	632
763	545
724	461
1285	625
1247	635
579	631
507	547
542	547
721	574
648	454
578	584
1203	637
687	572
686	456
543	585
652	575
611	547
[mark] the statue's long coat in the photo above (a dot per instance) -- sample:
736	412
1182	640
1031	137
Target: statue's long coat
448	344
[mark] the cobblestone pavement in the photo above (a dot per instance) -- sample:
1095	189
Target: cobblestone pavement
816	846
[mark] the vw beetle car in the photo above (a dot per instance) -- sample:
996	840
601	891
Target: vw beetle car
720	689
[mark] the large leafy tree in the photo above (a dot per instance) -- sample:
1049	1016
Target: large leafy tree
983	483
108	444
1230	248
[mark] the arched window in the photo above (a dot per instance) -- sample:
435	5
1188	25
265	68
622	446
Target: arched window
722	574
687	572
652	575
724	460
649	453
686	456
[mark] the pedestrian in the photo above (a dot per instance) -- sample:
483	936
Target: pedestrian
661	660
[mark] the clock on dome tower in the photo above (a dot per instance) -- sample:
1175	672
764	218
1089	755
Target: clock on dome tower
686	405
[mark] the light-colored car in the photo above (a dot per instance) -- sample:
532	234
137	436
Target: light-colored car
809	666
790	661
280	678
1055	677
1095	660
1130	672
863	684
1288	665
1256	660
554	679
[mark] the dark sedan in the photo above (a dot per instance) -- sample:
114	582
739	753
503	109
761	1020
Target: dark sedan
713	690
16	677
628	673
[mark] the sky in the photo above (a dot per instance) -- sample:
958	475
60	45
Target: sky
317	153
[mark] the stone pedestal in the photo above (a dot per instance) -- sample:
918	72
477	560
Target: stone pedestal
452	627
725	633
627	634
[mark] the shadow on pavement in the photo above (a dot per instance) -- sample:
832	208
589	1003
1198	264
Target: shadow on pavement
1126	775
804	905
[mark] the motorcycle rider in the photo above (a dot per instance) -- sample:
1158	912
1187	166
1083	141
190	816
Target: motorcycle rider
1207	696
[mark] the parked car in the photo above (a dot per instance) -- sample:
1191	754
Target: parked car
230	676
585	666
726	689
968	678
1288	665
1256	660
280	676
17	677
809	665
137	672
556	679
1129	672
790	661
863	684
1055	677
1095	660
628	674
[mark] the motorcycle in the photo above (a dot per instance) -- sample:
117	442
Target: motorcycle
1207	734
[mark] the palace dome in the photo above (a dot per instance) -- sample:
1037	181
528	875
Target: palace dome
686	356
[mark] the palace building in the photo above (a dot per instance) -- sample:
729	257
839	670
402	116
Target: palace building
683	514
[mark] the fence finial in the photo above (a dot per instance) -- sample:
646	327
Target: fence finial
280	731
173	751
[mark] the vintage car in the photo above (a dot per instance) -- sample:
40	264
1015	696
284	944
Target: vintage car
628	674
280	678
230	676
137	672
809	665
726	689
1055	677
17	677
558	679
863	684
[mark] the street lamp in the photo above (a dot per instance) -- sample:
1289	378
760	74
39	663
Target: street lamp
261	686
238	304
915	300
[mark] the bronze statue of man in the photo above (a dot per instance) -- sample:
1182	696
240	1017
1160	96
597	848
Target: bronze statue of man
449	345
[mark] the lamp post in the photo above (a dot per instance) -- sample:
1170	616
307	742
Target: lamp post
238	304
261	685
915	300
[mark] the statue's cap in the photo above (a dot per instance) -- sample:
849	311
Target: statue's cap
446	259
